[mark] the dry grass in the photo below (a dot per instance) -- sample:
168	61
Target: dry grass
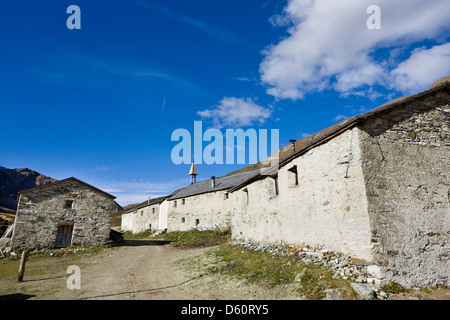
272	270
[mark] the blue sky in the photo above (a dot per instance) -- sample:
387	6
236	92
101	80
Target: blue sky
100	103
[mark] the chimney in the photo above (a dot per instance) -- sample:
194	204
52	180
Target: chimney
148	201
293	144
213	182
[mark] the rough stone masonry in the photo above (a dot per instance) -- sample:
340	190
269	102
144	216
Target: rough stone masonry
69	204
406	167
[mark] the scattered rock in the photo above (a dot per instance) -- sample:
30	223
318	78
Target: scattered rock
332	294
363	291
344	266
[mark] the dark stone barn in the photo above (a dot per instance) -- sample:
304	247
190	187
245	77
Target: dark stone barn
60	214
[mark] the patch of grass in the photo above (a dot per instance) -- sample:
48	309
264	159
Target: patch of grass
425	289
196	238
393	287
272	270
39	261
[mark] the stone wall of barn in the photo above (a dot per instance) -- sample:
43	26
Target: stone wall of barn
41	211
406	165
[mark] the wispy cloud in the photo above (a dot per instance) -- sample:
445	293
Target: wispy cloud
236	112
134	191
152	74
339	117
214	31
74	68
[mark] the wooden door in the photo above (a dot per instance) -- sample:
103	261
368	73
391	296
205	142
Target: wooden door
64	235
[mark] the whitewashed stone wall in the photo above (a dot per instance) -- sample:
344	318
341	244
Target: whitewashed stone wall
142	219
327	209
204	211
163	213
127	222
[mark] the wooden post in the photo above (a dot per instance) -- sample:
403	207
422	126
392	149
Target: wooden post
22	266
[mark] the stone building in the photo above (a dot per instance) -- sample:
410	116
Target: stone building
205	204
375	186
143	217
201	205
63	213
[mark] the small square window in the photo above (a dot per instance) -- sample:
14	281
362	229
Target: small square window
183	201
68	204
183	220
197	222
293	175
225	196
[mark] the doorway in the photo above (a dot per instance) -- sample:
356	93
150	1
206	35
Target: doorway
64	235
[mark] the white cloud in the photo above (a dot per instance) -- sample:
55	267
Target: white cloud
339	118
423	68
329	46
236	112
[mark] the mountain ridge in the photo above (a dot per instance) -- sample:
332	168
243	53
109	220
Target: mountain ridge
13	181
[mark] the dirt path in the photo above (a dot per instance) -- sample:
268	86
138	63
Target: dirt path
140	270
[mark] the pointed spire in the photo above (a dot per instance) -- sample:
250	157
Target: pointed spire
193	172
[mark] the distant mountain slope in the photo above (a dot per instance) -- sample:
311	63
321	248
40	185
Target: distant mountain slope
14	180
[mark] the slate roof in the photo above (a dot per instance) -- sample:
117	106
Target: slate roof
144	204
63	181
303	145
221	183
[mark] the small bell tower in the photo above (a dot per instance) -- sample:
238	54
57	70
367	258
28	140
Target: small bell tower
193	172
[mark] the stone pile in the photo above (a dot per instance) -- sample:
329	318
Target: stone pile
344	266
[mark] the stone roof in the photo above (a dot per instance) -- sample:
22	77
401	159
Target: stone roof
303	145
144	204
63	181
221	183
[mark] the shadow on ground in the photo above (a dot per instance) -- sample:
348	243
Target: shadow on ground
136	243
17	296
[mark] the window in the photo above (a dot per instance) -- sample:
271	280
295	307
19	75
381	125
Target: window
183	201
246	195
174	204
153	210
197	222
225	196
68	204
183	220
142	213
275	180
293	175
